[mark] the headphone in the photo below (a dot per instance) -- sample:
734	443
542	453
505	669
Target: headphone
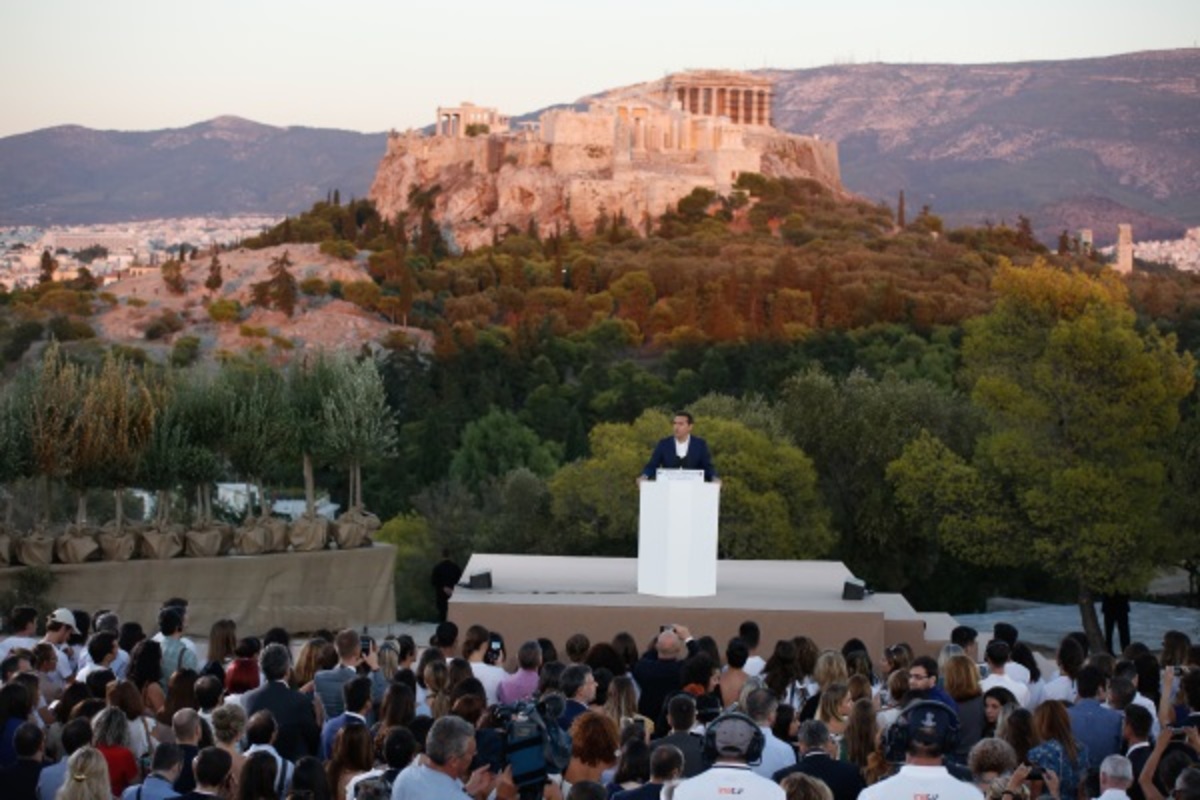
898	736
754	751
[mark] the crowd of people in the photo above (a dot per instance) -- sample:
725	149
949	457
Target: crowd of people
93	707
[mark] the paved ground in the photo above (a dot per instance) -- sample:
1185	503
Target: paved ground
1044	625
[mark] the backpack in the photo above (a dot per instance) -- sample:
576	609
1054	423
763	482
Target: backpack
376	787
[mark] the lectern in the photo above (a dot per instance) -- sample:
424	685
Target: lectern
677	535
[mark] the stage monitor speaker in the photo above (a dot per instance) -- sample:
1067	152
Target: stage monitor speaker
854	589
480	580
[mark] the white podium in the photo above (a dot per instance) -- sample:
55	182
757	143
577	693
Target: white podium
677	535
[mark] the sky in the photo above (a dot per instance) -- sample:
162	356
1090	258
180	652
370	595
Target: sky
374	65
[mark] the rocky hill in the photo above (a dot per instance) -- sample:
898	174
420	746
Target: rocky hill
226	166
321	322
1072	144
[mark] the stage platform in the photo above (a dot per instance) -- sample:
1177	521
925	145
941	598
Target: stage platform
557	596
298	591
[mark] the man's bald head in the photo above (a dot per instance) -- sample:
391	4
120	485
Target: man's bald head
668	645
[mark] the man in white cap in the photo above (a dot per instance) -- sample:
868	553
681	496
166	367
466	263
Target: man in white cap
732	743
59	627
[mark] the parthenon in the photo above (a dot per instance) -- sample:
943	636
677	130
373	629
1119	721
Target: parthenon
744	98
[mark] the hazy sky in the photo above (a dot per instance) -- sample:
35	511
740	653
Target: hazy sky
371	66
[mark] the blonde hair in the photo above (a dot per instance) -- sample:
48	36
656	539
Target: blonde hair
86	778
830	669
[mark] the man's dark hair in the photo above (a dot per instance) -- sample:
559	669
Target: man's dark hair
10	666
666	761
260	728
963	635
997	652
166	757
1121	693
573	679
212	766
100	645
76	733
1005	632
813	734
274	662
529	656
681	712
1139	720
208	690
97	682
1089	682
737	653
28	740
928	663
399	747
277	636
356	693
749	633
170	621
20	617
1070	656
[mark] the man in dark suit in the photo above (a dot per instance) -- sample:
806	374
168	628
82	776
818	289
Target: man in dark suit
299	735
666	765
213	768
818	759
681	451
681	714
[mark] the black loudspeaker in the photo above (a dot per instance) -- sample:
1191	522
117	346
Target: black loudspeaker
480	580
854	589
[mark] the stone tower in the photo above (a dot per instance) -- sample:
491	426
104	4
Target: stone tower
1124	249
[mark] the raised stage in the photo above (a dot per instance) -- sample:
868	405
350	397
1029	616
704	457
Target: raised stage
557	596
299	591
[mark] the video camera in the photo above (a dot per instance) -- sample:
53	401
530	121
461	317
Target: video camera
533	748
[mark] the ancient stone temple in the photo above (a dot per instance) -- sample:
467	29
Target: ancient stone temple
457	120
634	151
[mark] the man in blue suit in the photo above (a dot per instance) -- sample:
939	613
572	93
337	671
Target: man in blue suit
681	451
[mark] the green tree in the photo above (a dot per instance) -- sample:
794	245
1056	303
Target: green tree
48	267
497	443
359	426
214	279
1078	404
853	428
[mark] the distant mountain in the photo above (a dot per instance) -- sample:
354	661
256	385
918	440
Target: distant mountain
228	165
1071	144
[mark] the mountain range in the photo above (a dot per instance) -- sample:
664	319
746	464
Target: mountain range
1070	144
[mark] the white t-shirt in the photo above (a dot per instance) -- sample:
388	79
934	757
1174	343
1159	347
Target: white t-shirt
1019	690
921	782
490	676
723	781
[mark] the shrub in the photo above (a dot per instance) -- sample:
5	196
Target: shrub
224	310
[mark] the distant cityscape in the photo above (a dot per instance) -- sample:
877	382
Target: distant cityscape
113	251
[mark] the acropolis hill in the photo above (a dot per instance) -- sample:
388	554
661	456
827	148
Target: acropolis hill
635	151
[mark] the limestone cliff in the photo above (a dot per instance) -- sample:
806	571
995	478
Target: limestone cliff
634	152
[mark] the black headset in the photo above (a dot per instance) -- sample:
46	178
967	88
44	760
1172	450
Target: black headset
898	736
754	750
